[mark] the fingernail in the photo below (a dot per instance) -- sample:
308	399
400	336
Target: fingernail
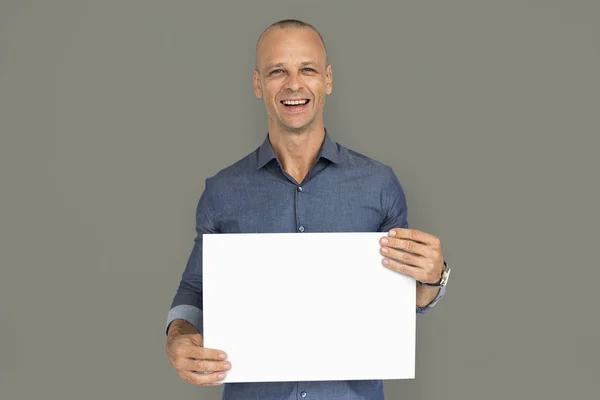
384	241
227	366
222	356
386	262
221	376
384	250
392	233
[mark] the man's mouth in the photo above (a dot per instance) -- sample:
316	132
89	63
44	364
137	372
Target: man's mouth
294	102
295	105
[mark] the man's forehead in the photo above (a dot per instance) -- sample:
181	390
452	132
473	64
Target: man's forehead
276	43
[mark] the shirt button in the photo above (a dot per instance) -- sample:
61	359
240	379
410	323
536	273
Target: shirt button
301	228
303	394
299	188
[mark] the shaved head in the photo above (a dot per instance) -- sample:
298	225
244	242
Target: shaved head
288	24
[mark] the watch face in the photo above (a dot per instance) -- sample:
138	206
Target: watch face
445	276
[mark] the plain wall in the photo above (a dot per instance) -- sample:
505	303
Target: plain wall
112	114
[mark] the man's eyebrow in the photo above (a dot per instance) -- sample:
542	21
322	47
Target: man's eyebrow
280	65
271	66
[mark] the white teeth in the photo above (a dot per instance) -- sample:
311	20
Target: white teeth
294	102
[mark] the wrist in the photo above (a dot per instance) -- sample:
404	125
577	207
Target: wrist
426	294
443	279
181	327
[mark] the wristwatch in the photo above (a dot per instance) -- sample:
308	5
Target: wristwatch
443	281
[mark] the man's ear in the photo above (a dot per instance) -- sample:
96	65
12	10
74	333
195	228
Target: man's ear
328	80
256	84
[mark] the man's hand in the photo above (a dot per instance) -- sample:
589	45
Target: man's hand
415	253
194	363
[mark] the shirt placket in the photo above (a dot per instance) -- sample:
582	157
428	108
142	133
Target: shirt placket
299	218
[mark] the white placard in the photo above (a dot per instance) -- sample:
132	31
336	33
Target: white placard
307	307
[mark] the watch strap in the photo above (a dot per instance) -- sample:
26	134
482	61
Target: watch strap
443	280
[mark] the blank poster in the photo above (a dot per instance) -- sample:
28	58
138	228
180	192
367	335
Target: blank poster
307	307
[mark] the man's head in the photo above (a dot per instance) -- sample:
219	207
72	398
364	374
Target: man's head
292	74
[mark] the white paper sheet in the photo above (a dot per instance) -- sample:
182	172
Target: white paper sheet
307	307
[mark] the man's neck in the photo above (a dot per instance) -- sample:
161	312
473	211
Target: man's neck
297	151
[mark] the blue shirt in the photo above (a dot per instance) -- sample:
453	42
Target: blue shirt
344	192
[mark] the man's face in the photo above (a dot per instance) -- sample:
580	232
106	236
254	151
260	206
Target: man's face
293	77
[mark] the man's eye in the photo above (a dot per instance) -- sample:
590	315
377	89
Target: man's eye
309	69
276	71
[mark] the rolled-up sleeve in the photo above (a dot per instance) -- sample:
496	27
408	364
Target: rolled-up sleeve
187	302
394	201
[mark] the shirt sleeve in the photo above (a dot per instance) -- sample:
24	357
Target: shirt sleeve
394	201
187	303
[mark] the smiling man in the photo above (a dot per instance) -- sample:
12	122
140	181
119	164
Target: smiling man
298	180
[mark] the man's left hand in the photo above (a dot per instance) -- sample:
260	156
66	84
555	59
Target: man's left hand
413	252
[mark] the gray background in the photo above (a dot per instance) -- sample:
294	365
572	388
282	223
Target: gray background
112	114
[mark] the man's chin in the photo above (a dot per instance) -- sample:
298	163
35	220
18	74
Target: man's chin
296	127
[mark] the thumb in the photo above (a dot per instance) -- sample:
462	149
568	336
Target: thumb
197	339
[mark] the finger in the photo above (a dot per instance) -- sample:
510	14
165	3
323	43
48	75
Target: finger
188	364
405	258
415	272
202	353
415	235
202	379
406	245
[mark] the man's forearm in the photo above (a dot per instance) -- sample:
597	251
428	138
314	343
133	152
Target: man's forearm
181	327
426	294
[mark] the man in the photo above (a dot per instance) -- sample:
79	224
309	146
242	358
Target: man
298	180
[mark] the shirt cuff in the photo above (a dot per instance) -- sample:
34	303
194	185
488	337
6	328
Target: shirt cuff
191	314
422	310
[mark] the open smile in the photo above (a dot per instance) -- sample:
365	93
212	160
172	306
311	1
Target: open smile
296	105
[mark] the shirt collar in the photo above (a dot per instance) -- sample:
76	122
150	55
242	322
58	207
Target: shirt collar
329	150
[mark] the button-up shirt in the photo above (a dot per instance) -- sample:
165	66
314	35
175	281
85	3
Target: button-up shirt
344	191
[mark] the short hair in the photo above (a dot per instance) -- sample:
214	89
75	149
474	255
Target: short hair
292	23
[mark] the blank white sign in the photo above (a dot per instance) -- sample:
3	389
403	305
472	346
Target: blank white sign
307	307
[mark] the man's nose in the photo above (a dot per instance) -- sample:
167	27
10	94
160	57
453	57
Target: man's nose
294	82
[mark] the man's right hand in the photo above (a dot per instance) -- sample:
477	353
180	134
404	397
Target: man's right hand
193	362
